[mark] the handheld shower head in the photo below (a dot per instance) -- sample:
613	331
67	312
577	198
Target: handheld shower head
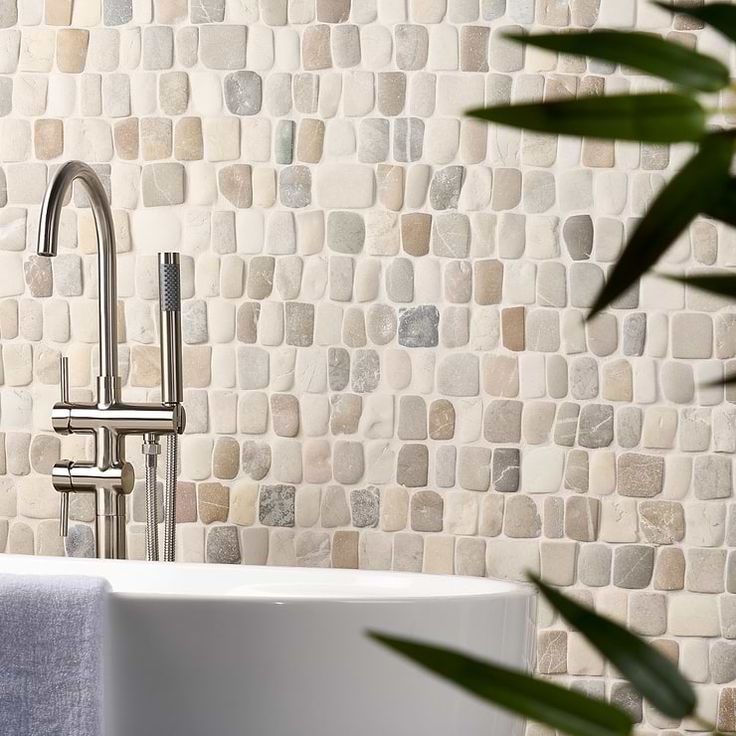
170	306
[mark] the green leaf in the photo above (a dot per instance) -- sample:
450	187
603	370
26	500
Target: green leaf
723	207
721	16
701	182
650	672
727	381
646	52
539	700
651	118
723	284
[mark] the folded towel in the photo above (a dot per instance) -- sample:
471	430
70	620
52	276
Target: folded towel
51	629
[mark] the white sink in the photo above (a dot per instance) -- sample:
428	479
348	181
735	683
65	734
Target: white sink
218	650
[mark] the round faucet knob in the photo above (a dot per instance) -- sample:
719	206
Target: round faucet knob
127	478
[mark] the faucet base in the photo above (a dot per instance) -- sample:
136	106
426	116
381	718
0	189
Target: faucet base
110	527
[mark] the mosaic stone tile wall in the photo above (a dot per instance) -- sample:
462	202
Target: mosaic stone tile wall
386	354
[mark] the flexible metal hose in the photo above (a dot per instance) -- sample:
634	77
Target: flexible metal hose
170	474
151	450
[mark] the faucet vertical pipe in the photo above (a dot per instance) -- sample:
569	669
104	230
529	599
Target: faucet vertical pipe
111	516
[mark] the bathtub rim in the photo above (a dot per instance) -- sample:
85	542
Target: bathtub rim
426	587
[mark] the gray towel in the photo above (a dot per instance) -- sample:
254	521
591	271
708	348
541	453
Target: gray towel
51	649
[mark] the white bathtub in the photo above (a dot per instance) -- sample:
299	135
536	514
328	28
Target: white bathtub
217	650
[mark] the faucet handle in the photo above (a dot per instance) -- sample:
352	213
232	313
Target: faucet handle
64	378
64	514
61	476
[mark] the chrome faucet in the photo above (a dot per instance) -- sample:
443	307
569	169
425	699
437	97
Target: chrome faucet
110	477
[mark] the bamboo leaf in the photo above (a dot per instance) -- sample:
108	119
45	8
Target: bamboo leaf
539	700
729	380
701	182
721	16
723	207
646	52
723	284
653	675
651	118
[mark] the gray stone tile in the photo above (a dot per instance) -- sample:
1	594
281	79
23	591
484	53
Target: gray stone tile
412	45
418	326
348	461
628	426
625	697
577	471
640	475
594	565
595	428
284	141
256	459
635	333
408	139
299	324
521	518
163	184
412	465
578	233
80	542
345	232
338	363
505	469
723	661
582	517
365	506
295	186
712	476
633	566
365	371
207	11
8	13
502	421
566	424
243	93
223	545
444	192
669	569
116	12
276	505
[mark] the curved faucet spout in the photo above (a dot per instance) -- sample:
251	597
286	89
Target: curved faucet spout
48	239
